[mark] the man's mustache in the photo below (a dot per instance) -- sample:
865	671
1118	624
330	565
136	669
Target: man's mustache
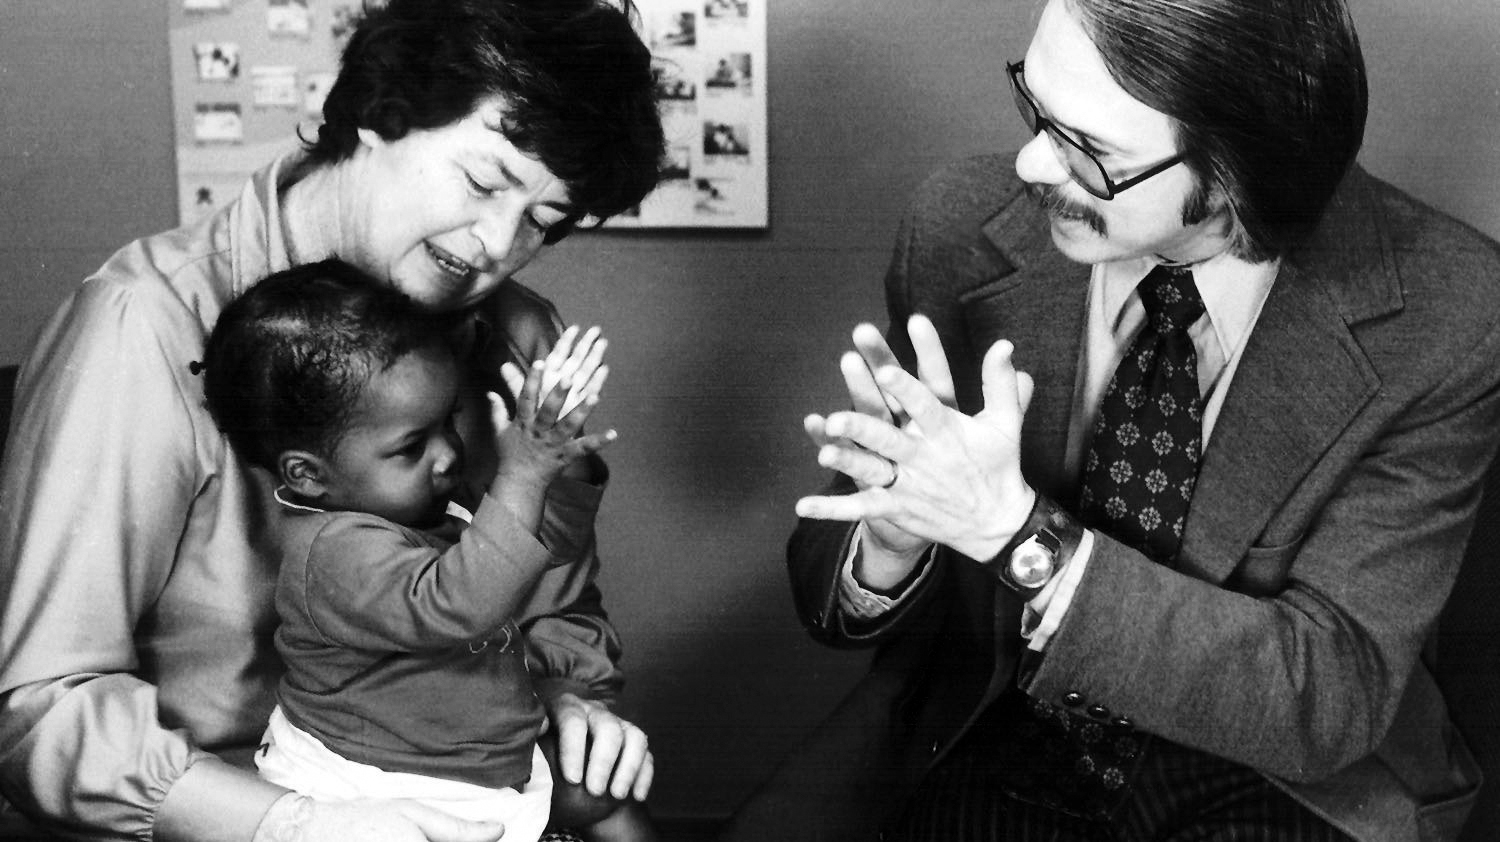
1056	203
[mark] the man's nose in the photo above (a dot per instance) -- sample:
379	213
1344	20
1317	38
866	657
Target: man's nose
1038	163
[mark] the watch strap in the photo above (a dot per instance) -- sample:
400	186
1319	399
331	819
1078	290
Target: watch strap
1054	528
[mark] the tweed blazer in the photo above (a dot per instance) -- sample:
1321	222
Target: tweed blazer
1331	512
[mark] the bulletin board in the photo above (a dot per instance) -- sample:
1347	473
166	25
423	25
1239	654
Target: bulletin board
248	75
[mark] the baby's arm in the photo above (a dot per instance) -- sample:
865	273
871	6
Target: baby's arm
553	401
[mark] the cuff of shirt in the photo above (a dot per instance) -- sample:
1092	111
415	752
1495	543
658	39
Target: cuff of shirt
862	604
1044	613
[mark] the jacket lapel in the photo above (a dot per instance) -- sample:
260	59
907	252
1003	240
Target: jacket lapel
1301	381
1040	306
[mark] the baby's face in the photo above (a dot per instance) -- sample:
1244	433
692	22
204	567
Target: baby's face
401	456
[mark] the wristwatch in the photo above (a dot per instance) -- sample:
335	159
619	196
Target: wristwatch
1031	558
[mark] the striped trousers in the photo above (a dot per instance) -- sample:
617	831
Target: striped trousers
976	794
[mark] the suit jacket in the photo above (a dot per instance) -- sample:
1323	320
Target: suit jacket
1333	505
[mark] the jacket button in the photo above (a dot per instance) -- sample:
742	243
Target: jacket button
935	746
1072	698
1099	711
1123	723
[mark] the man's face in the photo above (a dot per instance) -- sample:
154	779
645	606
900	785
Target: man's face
1068	79
447	214
401	457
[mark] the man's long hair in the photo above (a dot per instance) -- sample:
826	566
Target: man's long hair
1268	98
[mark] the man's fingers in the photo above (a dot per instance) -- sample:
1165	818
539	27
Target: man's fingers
925	408
864	395
874	353
869	469
1002	384
869	433
813	426
932	361
845	507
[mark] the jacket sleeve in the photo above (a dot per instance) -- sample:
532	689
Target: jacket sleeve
1303	678
97	480
817	549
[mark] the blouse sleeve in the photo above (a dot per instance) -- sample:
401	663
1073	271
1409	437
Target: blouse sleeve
98	476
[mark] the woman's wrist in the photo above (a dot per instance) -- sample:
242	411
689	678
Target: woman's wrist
286	821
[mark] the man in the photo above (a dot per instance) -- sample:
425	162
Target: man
1188	597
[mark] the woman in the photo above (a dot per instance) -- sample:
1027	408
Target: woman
135	582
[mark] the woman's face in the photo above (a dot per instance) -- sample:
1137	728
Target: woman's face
447	214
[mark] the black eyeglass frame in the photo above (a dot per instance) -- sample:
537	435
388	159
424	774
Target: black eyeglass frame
1108	188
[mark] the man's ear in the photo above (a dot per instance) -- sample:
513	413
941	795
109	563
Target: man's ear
304	473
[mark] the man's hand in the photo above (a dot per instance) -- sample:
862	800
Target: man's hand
297	818
886	543
599	749
957	479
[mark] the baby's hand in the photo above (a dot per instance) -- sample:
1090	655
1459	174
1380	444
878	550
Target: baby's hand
553	401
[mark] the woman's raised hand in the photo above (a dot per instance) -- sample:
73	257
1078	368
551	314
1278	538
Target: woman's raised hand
553	400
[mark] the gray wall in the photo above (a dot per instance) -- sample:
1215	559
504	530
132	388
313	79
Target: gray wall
720	342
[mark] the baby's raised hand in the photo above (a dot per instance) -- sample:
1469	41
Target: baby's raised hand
553	401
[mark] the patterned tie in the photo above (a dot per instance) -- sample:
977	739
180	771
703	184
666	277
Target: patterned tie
1139	475
1137	481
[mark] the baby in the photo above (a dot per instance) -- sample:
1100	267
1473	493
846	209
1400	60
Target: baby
406	669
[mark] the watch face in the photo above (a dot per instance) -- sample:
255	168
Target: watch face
1031	564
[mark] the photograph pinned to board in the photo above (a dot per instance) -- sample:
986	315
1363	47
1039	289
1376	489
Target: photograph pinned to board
217	61
275	86
246	79
289	19
709	61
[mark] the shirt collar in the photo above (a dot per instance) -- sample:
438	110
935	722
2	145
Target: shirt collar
1232	291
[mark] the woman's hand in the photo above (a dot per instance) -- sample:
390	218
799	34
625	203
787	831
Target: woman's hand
297	818
553	401
598	750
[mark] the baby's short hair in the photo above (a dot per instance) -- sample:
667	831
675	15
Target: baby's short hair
286	362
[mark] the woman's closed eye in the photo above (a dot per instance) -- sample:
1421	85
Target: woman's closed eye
478	188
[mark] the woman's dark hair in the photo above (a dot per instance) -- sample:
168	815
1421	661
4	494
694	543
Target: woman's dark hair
1269	99
286	362
575	78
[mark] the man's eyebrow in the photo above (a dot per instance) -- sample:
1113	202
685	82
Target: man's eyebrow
1084	137
1073	131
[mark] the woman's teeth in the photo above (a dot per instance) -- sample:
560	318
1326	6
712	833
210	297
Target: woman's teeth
450	264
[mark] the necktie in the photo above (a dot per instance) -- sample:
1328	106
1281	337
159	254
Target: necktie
1137	481
1141	466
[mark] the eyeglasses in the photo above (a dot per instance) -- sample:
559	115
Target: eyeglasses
1082	166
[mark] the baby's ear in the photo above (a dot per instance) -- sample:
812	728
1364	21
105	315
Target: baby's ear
302	472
